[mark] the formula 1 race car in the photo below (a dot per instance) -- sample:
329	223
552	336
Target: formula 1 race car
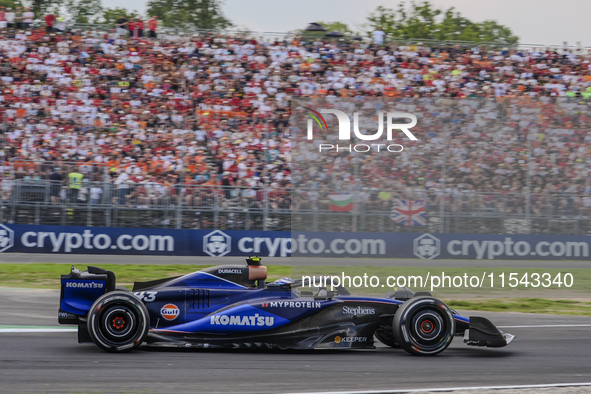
233	306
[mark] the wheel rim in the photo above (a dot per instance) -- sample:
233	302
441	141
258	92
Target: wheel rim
429	330
118	323
427	325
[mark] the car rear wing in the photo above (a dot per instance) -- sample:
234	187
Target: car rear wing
79	290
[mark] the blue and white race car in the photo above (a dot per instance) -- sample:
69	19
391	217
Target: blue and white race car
233	306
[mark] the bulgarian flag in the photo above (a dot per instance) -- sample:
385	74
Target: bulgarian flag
340	202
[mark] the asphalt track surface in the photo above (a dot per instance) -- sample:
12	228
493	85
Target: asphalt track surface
54	362
292	261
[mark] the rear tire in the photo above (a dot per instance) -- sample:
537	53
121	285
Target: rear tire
118	322
424	326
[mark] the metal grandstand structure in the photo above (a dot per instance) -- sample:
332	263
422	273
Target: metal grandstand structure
280	36
31	200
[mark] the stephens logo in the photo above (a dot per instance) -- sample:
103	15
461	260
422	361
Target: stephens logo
170	311
358	311
256	320
217	243
6	238
345	130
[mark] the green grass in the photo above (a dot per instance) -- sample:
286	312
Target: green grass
526	305
47	276
554	299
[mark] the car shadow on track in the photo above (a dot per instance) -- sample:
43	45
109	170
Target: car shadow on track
452	352
480	352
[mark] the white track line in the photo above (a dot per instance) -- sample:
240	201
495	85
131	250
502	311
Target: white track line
23	330
529	386
548	326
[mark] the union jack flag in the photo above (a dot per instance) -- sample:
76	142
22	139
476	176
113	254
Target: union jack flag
409	212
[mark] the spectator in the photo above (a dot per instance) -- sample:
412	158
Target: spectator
6	189
56	179
140	28
28	18
18	18
122	188
95	194
3	23
49	22
60	24
75	184
121	26
378	36
84	192
153	25
132	29
10	16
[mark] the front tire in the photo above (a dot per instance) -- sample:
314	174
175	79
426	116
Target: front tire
118	322
424	326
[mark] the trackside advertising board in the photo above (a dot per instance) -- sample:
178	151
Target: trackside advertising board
218	243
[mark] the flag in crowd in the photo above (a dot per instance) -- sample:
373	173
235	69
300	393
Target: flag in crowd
410	213
340	202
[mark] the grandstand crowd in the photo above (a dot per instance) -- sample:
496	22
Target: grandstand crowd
211	109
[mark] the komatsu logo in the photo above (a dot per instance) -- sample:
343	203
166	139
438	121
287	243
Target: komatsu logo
358	311
232	320
86	285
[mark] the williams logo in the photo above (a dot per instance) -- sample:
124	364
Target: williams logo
217	243
344	133
426	247
170	311
232	320
6	238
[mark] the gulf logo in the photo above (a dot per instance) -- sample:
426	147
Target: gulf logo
170	311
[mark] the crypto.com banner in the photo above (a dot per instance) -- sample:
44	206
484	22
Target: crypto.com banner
218	243
141	241
441	246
